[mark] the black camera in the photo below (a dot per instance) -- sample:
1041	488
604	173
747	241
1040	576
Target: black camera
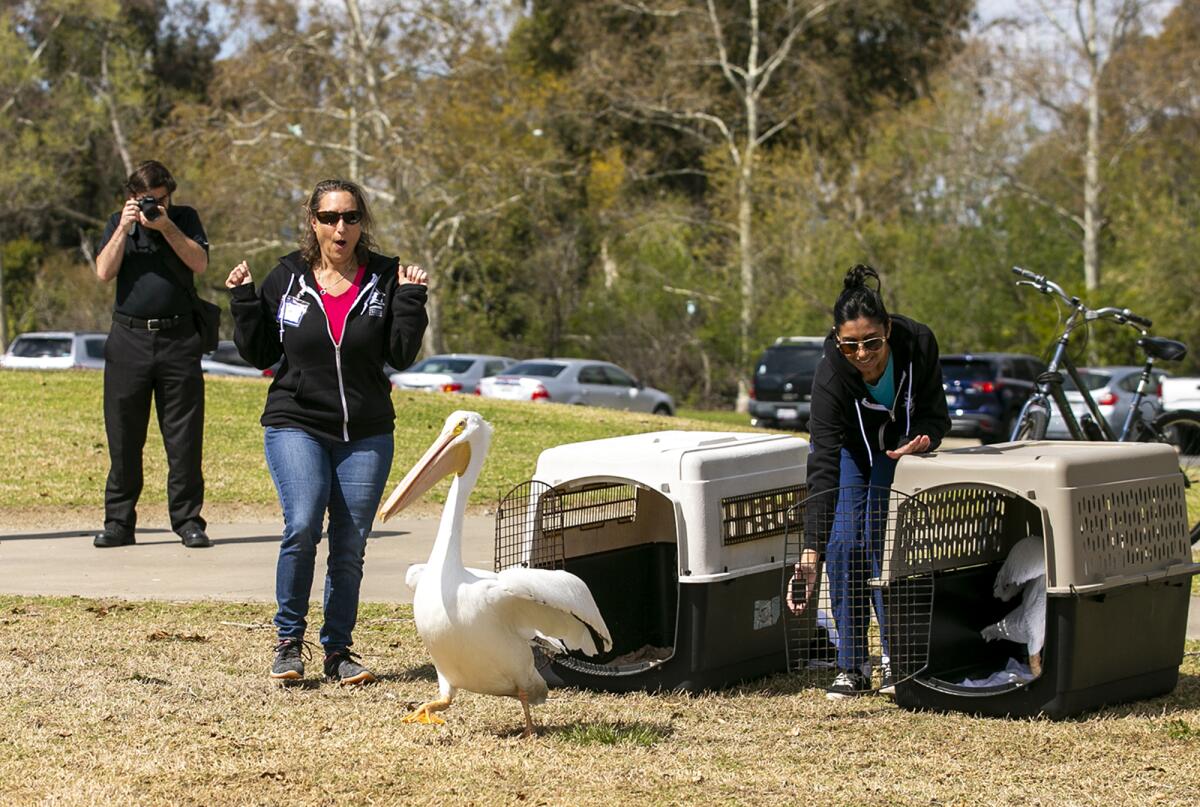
149	207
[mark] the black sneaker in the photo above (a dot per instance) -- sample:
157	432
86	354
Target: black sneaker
848	684
342	665
289	660
108	538
887	683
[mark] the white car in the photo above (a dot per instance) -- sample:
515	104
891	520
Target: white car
1181	393
576	381
451	372
55	350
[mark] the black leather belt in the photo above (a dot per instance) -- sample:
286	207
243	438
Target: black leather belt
160	324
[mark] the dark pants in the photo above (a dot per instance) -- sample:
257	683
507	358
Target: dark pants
139	364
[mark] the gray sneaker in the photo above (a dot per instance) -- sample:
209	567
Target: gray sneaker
289	660
342	665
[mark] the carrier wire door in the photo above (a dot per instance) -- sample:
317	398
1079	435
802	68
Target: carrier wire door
875	541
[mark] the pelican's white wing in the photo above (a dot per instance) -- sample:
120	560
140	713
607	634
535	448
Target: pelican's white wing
556	604
1025	561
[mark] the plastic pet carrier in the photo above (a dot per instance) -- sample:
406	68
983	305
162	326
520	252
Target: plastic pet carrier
1105	527
679	537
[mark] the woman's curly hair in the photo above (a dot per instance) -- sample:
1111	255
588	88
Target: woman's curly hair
309	248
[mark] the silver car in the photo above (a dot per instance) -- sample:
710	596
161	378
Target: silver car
55	350
226	360
1112	388
452	372
576	381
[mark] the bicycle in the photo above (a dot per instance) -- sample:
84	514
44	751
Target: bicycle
1179	428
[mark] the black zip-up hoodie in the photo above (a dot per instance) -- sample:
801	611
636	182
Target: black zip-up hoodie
330	390
844	415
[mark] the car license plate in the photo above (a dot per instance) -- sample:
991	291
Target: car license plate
786	414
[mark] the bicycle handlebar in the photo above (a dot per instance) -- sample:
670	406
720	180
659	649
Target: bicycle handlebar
1047	286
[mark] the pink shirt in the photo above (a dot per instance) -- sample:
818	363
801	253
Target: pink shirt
337	306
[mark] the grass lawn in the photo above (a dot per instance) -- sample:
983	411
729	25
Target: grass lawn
167	703
52	432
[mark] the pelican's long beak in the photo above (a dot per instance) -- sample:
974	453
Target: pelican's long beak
443	458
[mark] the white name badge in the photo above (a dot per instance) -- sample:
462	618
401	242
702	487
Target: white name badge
293	311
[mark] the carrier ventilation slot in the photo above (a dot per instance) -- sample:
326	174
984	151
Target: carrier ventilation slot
594	506
963	525
1132	528
752	516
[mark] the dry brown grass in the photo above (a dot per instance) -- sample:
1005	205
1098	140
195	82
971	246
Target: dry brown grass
168	703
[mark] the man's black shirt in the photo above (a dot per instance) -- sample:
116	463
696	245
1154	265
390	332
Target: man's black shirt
149	283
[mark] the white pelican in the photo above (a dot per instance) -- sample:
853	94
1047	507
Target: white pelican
478	625
1024	571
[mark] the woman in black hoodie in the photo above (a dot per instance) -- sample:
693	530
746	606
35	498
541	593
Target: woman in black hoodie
877	395
335	311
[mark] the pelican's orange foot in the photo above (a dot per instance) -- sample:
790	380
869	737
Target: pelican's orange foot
424	714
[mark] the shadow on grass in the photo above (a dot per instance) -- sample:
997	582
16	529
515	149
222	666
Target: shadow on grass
636	733
424	672
274	539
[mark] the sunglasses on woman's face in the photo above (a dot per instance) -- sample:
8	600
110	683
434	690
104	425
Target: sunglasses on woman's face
331	217
849	347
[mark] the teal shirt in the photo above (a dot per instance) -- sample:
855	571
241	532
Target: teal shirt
884	390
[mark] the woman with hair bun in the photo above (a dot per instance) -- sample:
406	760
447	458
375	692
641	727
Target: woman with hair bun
877	396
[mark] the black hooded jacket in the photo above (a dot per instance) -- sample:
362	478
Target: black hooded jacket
844	415
331	390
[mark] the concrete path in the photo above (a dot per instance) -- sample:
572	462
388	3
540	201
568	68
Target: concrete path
239	567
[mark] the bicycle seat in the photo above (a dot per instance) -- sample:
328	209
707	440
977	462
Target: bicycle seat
1160	348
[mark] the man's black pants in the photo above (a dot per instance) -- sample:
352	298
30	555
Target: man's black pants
139	363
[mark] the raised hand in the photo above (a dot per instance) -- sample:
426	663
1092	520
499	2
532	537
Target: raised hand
129	215
240	276
412	274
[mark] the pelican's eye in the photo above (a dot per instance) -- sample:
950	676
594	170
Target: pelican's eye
460	428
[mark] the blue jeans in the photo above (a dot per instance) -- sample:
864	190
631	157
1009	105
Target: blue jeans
313	475
853	554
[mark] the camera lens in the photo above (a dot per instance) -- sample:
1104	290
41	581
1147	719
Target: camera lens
149	207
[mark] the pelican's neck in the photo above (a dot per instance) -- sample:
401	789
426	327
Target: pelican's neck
447	548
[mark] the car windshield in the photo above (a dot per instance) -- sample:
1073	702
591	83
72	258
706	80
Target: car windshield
966	370
41	347
1090	378
536	368
789	360
440	364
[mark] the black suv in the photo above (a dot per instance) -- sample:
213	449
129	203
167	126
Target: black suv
985	391
781	390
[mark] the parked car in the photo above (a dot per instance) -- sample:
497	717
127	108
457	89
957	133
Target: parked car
781	389
1180	393
985	391
55	350
1112	389
452	372
576	381
226	360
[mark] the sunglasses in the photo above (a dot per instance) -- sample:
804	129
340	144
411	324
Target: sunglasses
849	347
331	217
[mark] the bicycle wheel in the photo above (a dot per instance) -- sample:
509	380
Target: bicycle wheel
1182	430
1033	423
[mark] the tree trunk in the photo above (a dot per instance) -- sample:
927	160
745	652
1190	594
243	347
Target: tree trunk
1091	161
3	306
434	341
745	252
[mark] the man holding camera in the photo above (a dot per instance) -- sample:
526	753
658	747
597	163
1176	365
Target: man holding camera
154	249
